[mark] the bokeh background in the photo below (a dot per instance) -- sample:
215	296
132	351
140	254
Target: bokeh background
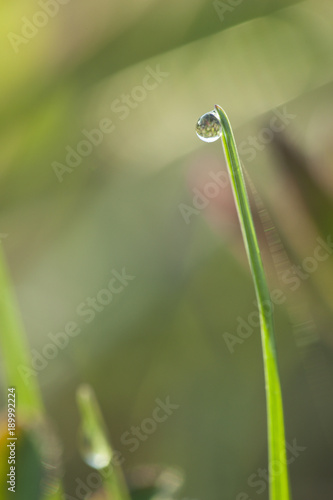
141	200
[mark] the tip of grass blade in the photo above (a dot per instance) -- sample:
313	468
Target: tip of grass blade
95	448
279	484
226	127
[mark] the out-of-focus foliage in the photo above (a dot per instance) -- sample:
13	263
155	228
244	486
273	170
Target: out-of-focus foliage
120	207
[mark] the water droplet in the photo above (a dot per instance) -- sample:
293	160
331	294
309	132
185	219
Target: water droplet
97	455
209	127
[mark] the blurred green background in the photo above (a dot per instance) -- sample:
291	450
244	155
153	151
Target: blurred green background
152	68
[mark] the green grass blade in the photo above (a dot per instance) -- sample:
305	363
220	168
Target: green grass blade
95	447
15	349
16	356
279	482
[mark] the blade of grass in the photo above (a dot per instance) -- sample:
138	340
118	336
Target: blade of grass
95	447
279	482
15	350
16	356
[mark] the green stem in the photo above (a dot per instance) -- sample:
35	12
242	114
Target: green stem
114	484
16	357
96	449
278	471
15	350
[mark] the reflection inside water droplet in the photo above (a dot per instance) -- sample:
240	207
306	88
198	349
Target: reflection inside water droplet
96	454
209	127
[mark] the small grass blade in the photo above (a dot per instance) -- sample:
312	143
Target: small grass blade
95	446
